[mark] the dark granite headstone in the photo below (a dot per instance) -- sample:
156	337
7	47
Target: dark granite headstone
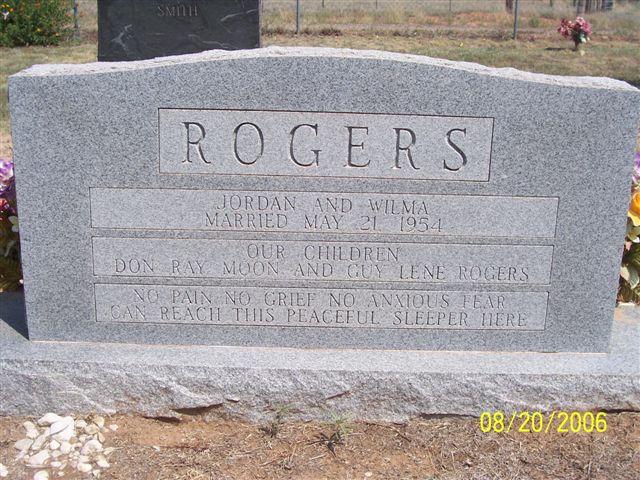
140	29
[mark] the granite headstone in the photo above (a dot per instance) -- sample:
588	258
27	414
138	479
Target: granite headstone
332	198
140	29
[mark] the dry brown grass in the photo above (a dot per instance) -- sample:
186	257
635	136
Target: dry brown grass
442	448
606	56
465	14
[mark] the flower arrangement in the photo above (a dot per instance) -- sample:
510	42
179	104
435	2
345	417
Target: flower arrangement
629	290
579	31
10	270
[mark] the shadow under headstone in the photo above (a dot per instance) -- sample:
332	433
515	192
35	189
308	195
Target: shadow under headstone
12	312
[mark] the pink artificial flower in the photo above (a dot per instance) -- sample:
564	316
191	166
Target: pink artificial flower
6	174
566	27
583	25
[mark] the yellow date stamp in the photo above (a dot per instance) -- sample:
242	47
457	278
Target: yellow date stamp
539	422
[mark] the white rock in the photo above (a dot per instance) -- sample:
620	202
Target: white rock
61	473
109	450
99	421
100	437
33	433
102	462
80	424
38	443
63	429
54	445
3	471
41	475
49	419
28	425
56	454
65	435
62	424
91	429
84	467
39	459
56	464
65	447
113	427
24	444
84	459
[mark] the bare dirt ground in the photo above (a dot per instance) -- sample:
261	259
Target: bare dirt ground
427	448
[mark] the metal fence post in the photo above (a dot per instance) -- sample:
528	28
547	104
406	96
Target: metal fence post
297	16
76	26
515	19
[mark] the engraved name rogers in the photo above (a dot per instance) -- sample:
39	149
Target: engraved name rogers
247	142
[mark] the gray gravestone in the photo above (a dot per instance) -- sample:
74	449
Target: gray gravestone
331	198
140	29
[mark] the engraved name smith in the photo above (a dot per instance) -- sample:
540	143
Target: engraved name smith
325	144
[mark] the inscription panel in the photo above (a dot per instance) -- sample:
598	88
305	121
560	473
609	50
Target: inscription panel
354	145
323	261
317	212
332	308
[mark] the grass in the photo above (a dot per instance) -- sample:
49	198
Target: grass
486	15
475	32
13	60
618	58
453	448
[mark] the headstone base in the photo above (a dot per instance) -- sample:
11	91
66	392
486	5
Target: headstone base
381	385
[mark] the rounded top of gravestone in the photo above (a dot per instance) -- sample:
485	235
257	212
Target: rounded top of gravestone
275	52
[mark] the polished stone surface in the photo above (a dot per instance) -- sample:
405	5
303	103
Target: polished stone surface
322	199
140	29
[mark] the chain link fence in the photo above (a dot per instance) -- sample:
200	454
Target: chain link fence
346	15
439	7
305	14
